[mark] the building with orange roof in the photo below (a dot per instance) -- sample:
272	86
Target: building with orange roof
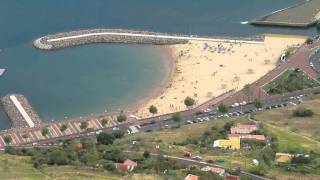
283	157
191	177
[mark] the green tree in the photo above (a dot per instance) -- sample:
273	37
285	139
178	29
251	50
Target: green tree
309	41
189	102
63	127
114	154
257	103
223	108
118	134
105	138
25	136
176	117
104	122
302	112
146	154
84	125
45	131
89	158
153	110
109	166
58	157
7	139
247	90
121	118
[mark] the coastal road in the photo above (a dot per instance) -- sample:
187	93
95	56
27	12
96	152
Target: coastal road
152	36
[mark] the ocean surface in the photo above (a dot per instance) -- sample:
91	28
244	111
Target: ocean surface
90	79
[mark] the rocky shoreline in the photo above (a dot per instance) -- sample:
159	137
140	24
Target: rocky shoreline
15	116
44	44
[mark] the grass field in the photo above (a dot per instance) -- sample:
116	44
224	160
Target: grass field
20	167
168	137
17	167
294	132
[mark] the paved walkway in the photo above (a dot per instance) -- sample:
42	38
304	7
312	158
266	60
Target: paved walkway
23	113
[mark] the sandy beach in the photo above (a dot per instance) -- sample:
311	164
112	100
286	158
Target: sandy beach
204	70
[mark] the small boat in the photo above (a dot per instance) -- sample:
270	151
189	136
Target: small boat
2	72
244	22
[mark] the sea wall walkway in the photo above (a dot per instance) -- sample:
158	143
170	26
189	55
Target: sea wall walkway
20	111
76	38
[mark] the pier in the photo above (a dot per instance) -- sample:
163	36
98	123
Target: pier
301	15
76	38
20	111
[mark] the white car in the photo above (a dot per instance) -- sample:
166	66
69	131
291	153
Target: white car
206	118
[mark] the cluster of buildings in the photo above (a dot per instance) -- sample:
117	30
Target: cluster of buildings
238	133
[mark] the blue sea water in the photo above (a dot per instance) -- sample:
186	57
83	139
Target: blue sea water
89	79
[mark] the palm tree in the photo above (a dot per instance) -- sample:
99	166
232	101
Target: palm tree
104	122
247	91
63	127
25	136
84	125
45	131
7	139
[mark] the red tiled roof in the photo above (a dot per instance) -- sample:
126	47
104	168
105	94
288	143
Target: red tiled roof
232	177
121	167
191	177
127	165
128	162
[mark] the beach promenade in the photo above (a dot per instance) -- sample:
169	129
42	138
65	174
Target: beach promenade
34	135
75	38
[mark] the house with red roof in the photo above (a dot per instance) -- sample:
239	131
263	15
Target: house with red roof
232	177
243	129
127	165
191	177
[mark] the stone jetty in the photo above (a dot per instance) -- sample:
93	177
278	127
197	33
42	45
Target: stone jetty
20	111
81	37
303	15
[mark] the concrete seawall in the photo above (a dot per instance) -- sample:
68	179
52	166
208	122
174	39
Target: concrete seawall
63	40
76	38
301	15
20	111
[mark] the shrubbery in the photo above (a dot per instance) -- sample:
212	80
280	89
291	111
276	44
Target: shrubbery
302	112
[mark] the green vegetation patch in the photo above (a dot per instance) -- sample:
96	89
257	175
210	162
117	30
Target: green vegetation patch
290	80
305	126
292	142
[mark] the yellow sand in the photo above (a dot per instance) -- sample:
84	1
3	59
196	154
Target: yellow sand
205	74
